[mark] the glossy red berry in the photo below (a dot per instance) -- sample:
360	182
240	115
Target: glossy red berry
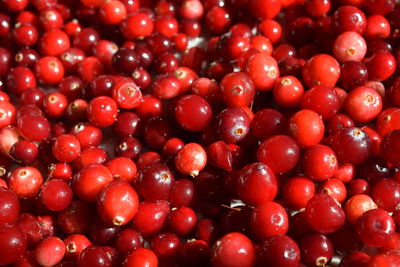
165	245
137	25
193	106
297	191
126	94
89	181
319	162
257	184
154	182
281	250
151	217
351	145
324	214
49	70
316	250
13	243
49	251
363	104
56	194
322	99
182	221
321	69
191	159
237	89
141	257
25	181
117	203
263	71
9	206
102	111
112	12
66	148
269	219
306	127
280	152
233	250
54	42
375	227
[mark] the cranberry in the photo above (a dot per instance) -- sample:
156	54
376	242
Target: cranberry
56	194
375	227
191	159
66	148
49	70
122	167
351	145
74	245
182	193
193	106
306	127
280	152
166	86
126	94
156	132
87	134
233	249
321	69
386	195
54	42
259	10
349	18
137	25
125	60
150	217
117	203
217	19
155	182
233	124
9	206
102	111
182	221
141	257
257	184
389	145
263	71
25	181
49	251
269	219
89	181
319	162
13	241
324	214
32	96
20	79
281	250
76	218
316	250
381	66
288	91
25	34
357	205
165	245
297	191
7	114
113	12
94	255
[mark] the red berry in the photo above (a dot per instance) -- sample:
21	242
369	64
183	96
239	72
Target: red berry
117	203
233	250
191	159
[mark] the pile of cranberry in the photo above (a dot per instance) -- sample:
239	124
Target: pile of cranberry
183	133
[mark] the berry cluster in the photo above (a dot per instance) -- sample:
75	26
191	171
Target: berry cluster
209	133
